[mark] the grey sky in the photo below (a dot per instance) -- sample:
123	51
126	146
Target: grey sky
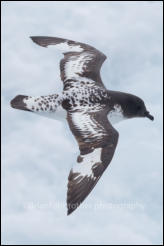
37	153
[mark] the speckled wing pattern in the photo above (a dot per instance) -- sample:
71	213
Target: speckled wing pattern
81	61
97	140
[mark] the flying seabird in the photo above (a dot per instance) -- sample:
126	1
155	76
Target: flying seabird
90	110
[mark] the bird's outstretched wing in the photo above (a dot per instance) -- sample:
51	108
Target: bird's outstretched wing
81	61
97	141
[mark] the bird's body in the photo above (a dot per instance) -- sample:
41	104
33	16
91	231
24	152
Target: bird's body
90	110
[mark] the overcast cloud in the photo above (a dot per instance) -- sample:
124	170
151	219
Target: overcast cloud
37	153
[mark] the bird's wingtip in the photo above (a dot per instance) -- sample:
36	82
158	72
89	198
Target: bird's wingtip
33	38
71	208
39	40
69	211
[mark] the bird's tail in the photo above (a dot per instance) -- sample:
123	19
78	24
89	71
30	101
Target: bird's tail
43	105
20	102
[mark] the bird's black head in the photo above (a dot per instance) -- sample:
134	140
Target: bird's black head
135	107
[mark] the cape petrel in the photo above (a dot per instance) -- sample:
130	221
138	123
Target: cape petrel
90	110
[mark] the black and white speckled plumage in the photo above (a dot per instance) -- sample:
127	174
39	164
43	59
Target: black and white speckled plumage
90	110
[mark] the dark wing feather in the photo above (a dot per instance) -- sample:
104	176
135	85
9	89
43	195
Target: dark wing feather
81	61
97	141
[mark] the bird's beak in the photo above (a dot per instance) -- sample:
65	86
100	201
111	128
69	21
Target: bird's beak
148	115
